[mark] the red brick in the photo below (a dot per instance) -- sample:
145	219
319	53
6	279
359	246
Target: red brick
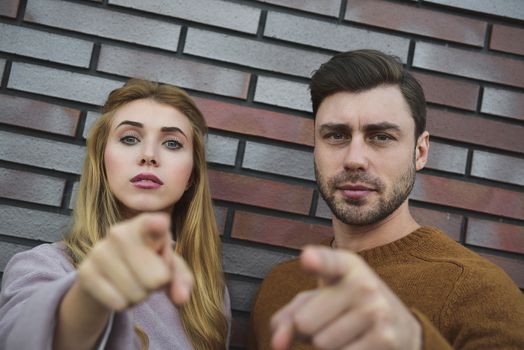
475	130
256	122
38	115
260	192
514	268
239	331
9	8
504	103
415	20
496	235
472	64
278	231
505	38
470	196
448	222
324	7
449	92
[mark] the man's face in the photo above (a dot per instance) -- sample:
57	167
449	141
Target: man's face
365	154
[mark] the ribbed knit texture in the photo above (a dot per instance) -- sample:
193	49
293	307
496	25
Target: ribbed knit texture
462	300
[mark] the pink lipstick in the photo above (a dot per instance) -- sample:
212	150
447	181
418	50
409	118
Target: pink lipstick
146	181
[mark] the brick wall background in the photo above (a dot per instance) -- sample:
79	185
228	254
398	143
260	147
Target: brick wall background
247	64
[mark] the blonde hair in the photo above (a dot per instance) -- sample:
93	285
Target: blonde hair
193	220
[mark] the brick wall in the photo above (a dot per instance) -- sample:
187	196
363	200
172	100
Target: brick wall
247	64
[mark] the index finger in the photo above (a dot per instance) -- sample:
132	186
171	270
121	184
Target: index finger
153	229
328	264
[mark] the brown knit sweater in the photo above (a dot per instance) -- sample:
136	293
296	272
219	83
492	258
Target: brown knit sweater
461	300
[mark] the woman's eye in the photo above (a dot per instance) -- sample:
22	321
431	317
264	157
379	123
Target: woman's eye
173	144
129	140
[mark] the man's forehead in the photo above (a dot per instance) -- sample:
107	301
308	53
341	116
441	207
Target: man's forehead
381	105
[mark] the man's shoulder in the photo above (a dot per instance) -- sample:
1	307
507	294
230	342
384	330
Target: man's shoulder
472	265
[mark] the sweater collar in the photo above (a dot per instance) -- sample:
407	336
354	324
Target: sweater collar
400	246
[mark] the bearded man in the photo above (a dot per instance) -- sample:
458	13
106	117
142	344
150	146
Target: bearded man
384	281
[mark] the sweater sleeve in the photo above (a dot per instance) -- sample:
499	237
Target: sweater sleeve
486	312
33	285
431	337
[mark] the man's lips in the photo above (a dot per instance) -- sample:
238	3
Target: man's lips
145	180
355	191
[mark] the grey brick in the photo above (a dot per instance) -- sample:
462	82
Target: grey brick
323	210
7	250
2	67
504	103
248	261
40	152
74	194
471	64
31	187
32	224
447	158
498	167
279	160
324	7
221	150
242	294
183	73
252	53
38	115
506	8
103	23
61	84
220	216
332	36
91	117
45	46
283	93
212	12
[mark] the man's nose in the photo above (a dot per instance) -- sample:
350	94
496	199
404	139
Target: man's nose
356	157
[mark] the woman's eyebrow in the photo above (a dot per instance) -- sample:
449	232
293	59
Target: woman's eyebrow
163	129
172	129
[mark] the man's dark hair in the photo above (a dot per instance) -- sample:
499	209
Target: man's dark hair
361	70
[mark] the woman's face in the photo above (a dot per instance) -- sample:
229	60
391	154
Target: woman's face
148	156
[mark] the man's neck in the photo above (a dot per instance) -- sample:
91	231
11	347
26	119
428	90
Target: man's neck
358	238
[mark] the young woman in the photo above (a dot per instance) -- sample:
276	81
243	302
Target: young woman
143	211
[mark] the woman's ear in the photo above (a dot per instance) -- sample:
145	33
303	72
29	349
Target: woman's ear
422	150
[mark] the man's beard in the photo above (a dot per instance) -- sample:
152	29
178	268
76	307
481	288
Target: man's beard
353	211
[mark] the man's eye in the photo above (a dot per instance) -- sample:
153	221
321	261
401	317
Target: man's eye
173	144
382	138
129	140
335	136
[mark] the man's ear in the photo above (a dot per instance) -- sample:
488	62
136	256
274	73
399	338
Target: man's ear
422	150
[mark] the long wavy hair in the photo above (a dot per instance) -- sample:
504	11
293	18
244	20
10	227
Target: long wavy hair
193	220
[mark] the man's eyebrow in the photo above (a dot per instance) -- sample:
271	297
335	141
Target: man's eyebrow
163	129
381	127
334	127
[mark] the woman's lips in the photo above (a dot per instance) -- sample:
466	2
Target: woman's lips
146	181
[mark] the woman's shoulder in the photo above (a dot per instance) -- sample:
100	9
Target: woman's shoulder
42	257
